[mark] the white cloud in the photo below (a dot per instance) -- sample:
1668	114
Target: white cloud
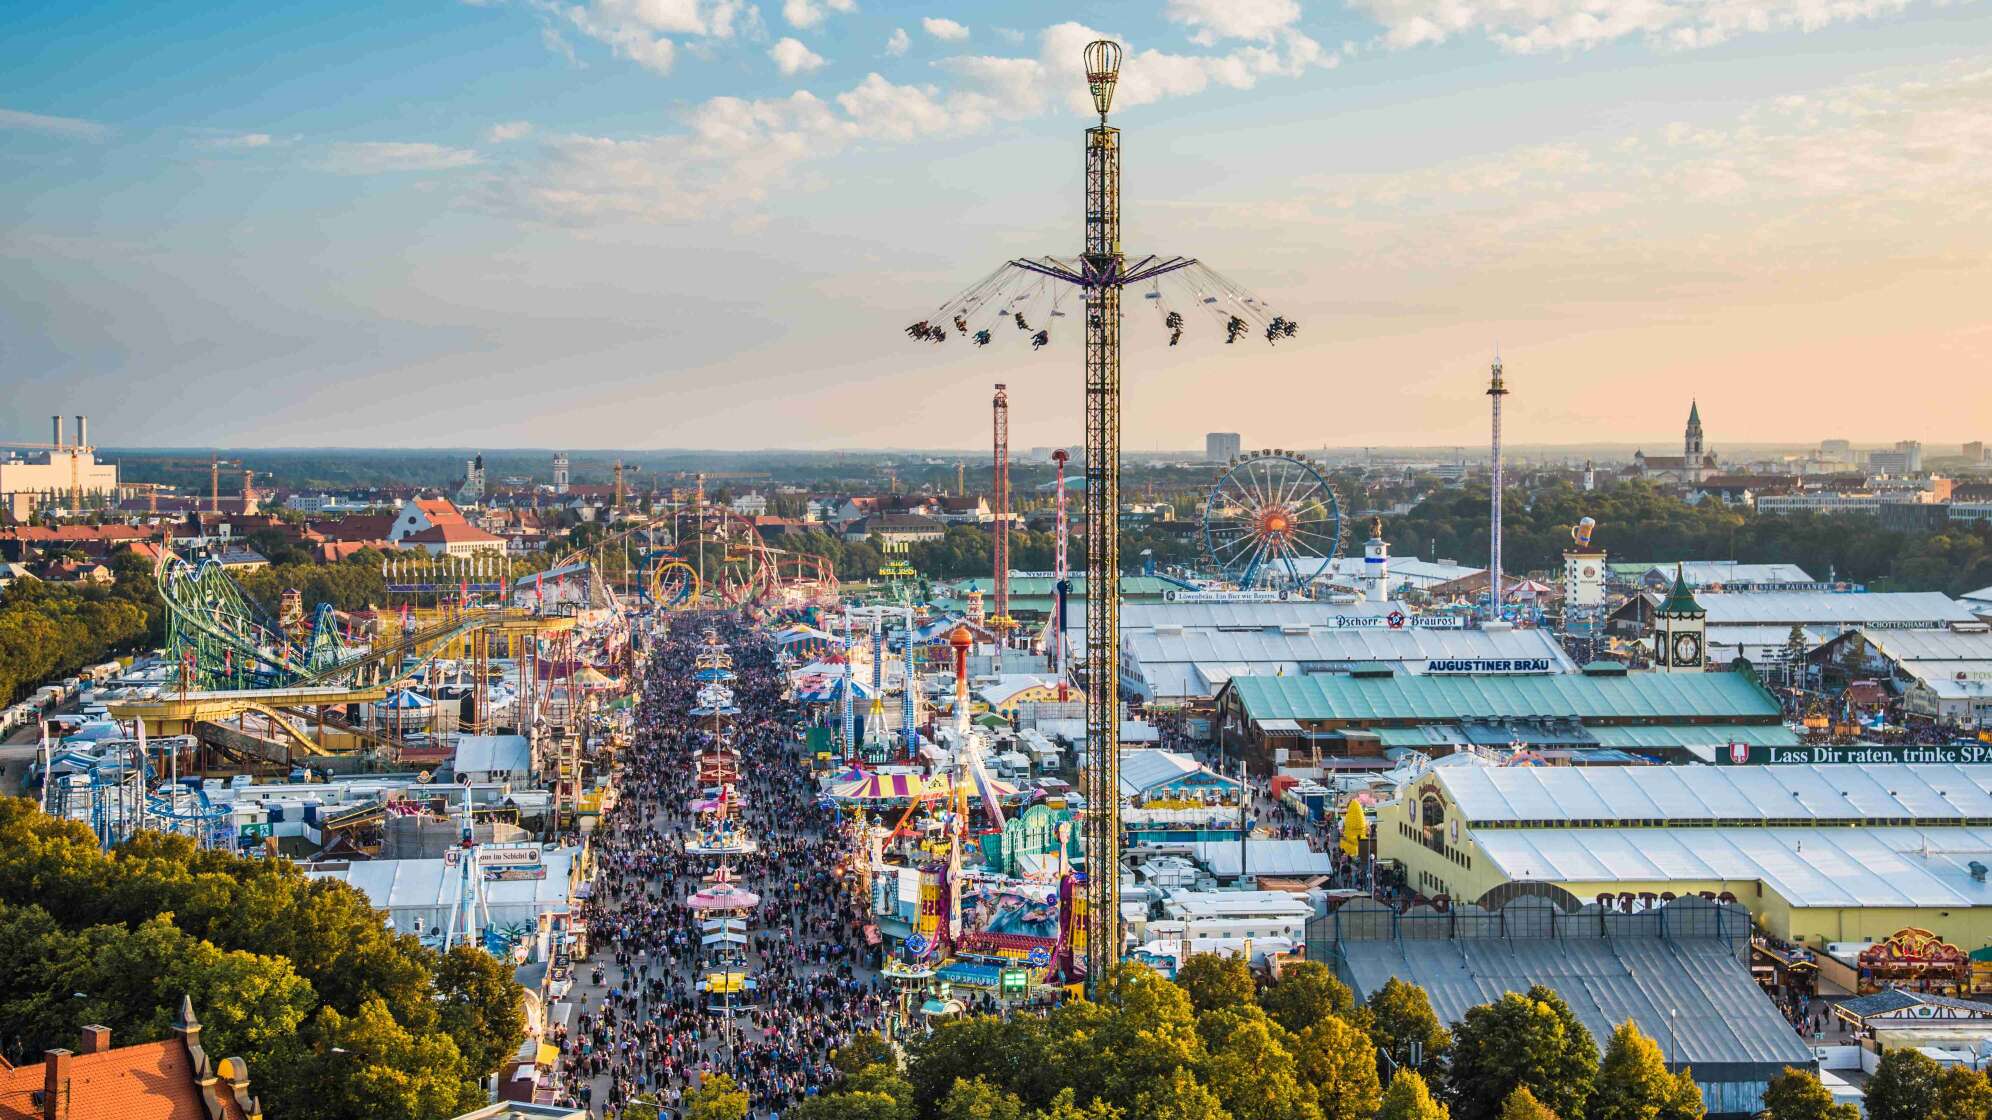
641	30
946	30
792	58
899	41
506	131
1234	19
239	141
1525	26
376	156
70	128
805	14
734	154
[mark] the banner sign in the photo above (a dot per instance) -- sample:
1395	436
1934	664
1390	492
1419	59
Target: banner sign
1854	754
1395	620
1476	665
1178	596
511	861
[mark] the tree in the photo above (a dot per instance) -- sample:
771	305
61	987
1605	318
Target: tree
866	1049
1337	1061
1796	1094
1215	981
1065	1106
1180	1096
1145	1034
1904	1086
1408	1098
1963	1094
976	1099
1253	1073
1308	992
1010	1055
849	1106
1400	1014
1634	1082
717	1097
1522	1105
370	1065
1532	1039
481	1006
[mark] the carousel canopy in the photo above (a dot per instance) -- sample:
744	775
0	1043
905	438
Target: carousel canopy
403	699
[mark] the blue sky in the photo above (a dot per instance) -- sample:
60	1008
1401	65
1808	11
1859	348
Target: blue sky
649	223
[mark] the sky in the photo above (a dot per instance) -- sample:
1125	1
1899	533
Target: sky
705	223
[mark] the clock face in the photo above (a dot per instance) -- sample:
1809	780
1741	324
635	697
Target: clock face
1686	649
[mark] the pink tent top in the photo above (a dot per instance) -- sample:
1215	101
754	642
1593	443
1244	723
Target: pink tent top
723	896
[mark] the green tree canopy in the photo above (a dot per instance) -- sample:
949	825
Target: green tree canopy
1337	1061
1253	1072
1306	993
717	1097
1532	1039
1634	1083
1401	1013
1905	1086
1522	1105
1796	1094
1409	1098
1215	981
1963	1094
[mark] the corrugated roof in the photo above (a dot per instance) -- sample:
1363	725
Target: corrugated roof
1931	645
1696	735
1690	993
1402	696
480	753
1848	608
1799	792
1265	857
1170	662
1811	867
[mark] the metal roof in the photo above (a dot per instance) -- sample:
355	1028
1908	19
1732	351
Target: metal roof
1696	735
1701	573
1688	794
484	753
1833	867
1264	857
1290	612
1403	569
1143	769
1818	607
1403	696
1689	993
1931	645
1195	662
1942	678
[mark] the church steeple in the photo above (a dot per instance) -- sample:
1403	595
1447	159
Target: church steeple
1692	445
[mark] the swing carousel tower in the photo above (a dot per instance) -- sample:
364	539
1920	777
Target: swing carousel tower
1028	291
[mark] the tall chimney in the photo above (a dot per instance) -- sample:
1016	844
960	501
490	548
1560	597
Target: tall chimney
82	431
96	1040
56	423
55	1085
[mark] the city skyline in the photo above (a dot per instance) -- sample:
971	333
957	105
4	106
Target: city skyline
606	224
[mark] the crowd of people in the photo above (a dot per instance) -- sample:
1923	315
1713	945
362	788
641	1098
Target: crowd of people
643	1027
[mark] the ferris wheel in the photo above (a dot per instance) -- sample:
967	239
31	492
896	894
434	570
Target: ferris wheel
1272	521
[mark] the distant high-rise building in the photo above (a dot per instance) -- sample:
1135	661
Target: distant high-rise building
1836	450
1905	459
1222	447
1912	453
1975	451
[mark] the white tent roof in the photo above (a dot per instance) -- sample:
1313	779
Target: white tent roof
1196	662
1263	857
485	753
1878	794
1851	867
1848	609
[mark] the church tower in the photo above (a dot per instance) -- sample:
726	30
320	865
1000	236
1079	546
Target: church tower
1680	630
1691	446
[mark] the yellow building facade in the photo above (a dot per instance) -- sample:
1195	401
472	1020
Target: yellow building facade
1834	864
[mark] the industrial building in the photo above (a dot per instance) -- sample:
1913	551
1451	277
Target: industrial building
1819	854
1369	710
1172	665
62	473
1678	971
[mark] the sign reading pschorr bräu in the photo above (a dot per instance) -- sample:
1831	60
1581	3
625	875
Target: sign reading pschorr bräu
1736	754
1488	665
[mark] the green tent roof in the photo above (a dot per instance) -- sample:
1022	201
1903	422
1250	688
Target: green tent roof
1639	695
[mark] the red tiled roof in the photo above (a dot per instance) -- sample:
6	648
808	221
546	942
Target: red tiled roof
450	532
439	510
62	533
359	527
150	1081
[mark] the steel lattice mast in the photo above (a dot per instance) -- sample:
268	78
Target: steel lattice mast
1029	292
1101	265
1000	498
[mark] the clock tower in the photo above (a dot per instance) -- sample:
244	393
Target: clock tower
1680	630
